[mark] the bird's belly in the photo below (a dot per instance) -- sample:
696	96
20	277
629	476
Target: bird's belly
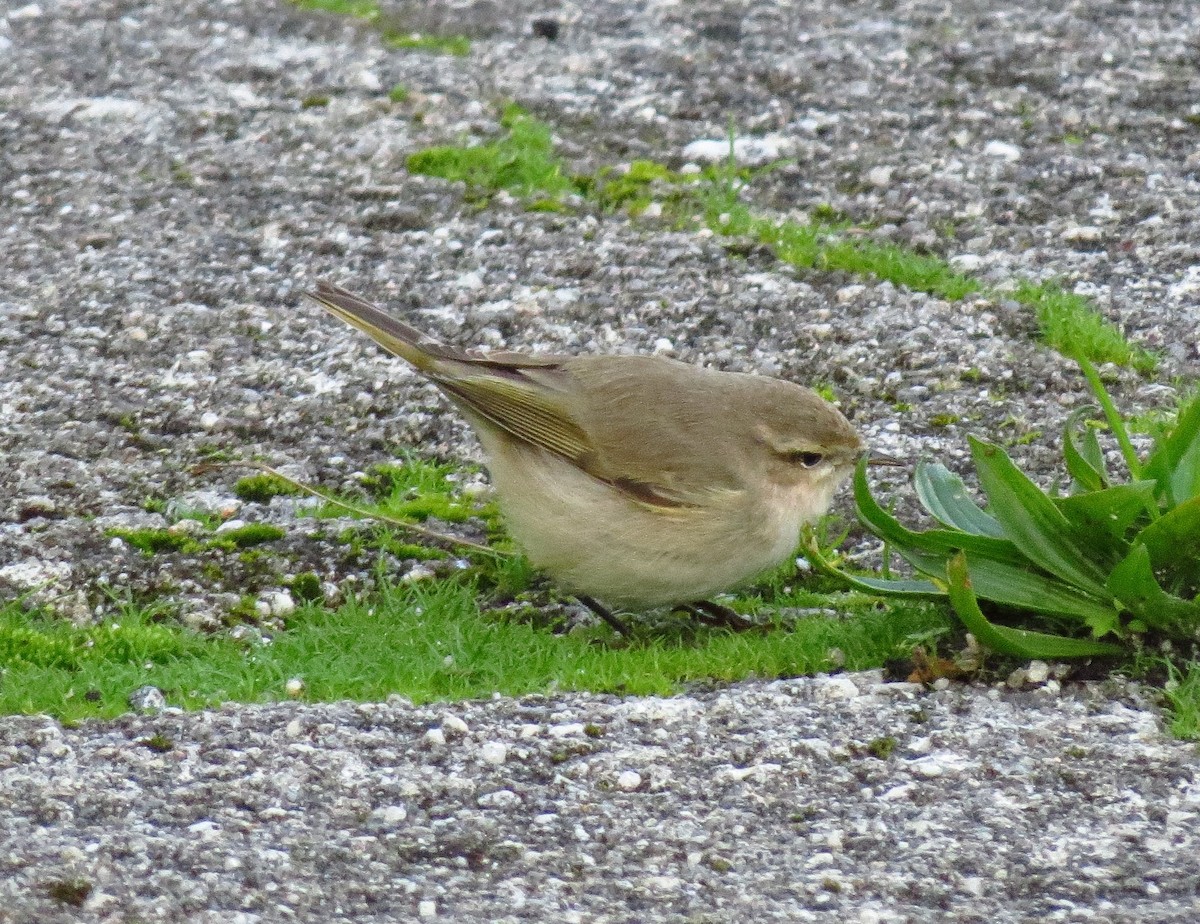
595	540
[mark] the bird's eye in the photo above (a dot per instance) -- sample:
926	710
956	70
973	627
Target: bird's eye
807	459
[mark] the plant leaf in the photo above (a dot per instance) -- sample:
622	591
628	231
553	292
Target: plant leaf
944	495
1110	511
1175	460
1032	521
941	542
1173	541
1133	583
1021	643
872	585
1029	589
1085	461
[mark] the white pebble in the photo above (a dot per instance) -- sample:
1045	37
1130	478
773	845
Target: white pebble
1084	234
388	815
453	725
629	780
427	909
494	753
435	737
1002	149
1037	672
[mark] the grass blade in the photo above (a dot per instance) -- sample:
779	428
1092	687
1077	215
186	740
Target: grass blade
1085	461
1175	460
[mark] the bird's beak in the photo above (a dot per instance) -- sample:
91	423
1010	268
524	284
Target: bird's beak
878	458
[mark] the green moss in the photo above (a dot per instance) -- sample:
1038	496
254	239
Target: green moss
314	101
159	743
521	162
883	748
259	489
399	93
1072	325
307	586
251	534
457	45
944	420
72	892
614	189
153	541
358	9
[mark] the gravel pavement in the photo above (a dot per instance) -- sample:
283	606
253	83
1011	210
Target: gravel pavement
174	174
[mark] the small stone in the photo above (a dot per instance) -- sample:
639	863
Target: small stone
830	688
147	699
545	27
435	738
387	816
565	730
750	151
663	346
966	262
369	81
847	294
494	753
1003	150
187	527
229	526
427	909
453	725
419	573
629	780
281	603
1037	672
1083	234
501	798
294	687
880	177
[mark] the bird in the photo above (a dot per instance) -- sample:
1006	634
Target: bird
635	482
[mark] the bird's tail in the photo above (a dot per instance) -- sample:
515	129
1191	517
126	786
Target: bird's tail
393	335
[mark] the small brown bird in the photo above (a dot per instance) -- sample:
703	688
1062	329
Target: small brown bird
638	481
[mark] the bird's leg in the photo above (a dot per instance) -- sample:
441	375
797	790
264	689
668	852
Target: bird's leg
714	614
604	613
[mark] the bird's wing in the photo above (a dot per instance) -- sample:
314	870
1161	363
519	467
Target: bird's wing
531	398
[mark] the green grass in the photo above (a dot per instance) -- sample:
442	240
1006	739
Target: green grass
1072	325
152	541
522	161
370	11
1182	694
425	641
259	489
457	45
358	9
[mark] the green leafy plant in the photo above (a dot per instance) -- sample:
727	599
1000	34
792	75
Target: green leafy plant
1114	560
